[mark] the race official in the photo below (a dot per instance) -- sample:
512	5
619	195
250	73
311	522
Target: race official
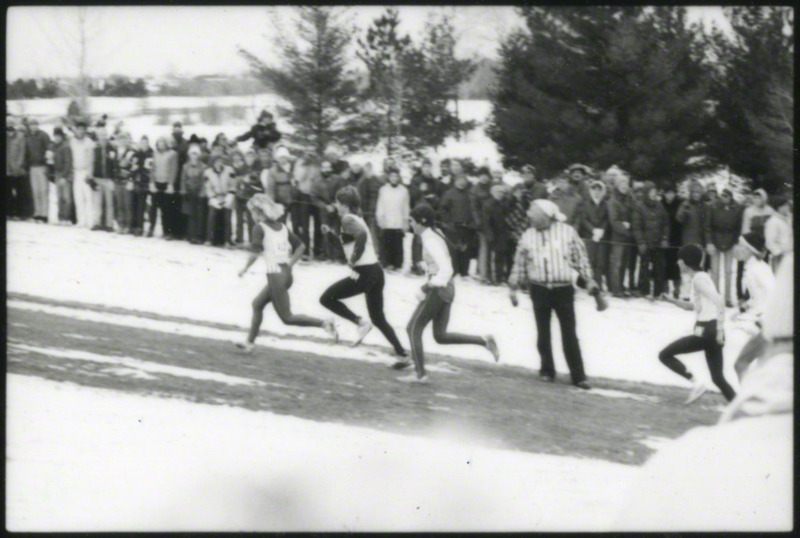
548	255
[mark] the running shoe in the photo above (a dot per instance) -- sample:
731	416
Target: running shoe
330	327
698	389
414	379
364	326
400	365
583	385
247	347
491	345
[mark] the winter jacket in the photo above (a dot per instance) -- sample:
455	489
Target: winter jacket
620	211
36	145
143	171
193	179
568	203
691	215
127	162
536	190
517	214
424	189
754	218
62	161
262	135
218	185
303	177
278	184
15	154
82	154
479	193
322	192
494	223
165	167
723	225
675	228
105	162
368	189
592	216
393	207
456	208
250	185
651	224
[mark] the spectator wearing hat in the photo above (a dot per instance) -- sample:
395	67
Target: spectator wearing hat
142	179
37	143
479	194
62	171
18	187
580	176
498	233
651	231
391	215
672	272
104	175
165	171
264	133
536	190
548	255
219	185
755	216
193	192
723	222
778	233
566	197
455	212
592	224
620	219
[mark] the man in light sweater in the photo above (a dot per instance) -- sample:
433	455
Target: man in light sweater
82	166
391	213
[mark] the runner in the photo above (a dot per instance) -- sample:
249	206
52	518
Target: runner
436	297
366	275
709	335
281	250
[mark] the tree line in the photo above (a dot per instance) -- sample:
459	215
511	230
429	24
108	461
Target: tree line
48	88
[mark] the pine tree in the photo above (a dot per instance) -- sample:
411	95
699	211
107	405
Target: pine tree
752	88
313	79
611	85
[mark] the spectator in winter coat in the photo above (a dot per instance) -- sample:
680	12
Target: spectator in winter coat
592	224
722	226
480	193
142	179
277	180
165	172
651	230
304	174
18	188
181	147
517	216
37	144
445	176
778	233
322	195
104	174
497	231
620	218
391	214
455	212
711	194
264	133
755	216
124	185
535	188
62	171
567	199
193	192
219	190
424	187
368	190
672	272
580	177
240	178
691	215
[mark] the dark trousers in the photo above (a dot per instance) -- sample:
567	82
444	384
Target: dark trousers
416	251
435	307
393	248
219	226
503	259
562	301
20	197
651	269
620	258
197	217
741	293
243	217
301	218
138	204
633	257
598	259
370	282
160	205
277	292
692	344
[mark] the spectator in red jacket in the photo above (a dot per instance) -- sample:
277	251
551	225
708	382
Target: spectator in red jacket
723	224
651	230
593	226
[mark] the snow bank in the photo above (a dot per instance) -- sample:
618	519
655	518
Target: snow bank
81	459
200	283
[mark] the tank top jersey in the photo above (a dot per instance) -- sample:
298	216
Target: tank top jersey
706	311
277	247
368	257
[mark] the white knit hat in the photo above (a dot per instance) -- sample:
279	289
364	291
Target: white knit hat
550	209
266	205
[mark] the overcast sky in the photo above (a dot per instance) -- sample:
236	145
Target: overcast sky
139	41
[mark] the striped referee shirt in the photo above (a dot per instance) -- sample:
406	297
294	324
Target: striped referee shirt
550	257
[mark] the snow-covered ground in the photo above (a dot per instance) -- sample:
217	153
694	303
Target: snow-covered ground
200	283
